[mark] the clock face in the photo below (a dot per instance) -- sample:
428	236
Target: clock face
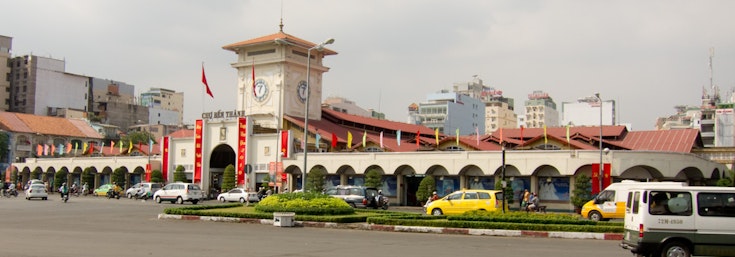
301	90
260	90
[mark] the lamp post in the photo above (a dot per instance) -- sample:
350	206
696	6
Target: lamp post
601	169
318	47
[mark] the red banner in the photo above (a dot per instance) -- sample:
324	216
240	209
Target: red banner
606	177
198	151
164	159
285	143
148	172
242	131
595	178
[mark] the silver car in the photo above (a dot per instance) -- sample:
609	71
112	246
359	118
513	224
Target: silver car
237	195
36	191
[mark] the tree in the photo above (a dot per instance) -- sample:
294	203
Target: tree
228	178
35	173
426	188
179	174
118	177
4	141
315	180
88	176
157	176
373	178
508	193
138	137
60	178
582	192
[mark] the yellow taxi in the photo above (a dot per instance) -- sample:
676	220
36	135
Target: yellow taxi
466	200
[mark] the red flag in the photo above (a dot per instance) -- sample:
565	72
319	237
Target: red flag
334	140
418	134
253	73
521	134
204	80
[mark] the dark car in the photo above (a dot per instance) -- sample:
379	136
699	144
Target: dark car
355	196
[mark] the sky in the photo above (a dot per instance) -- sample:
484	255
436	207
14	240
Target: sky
648	56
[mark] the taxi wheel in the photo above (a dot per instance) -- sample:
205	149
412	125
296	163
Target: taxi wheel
436	212
596	216
242	200
222	199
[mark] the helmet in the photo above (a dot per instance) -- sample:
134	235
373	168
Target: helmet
380	192
434	193
63	184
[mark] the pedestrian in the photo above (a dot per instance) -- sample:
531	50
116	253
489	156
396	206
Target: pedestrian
526	197
533	204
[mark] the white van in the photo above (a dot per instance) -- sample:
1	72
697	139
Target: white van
680	221
610	203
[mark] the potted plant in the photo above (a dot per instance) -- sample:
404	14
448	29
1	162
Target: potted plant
582	192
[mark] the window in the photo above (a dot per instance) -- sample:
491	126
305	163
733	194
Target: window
670	203
470	196
716	204
484	195
455	196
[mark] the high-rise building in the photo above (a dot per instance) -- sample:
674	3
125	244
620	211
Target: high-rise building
6	45
540	111
499	110
166	106
40	86
586	112
447	112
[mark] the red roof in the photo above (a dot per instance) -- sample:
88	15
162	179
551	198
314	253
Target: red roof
47	125
677	140
182	133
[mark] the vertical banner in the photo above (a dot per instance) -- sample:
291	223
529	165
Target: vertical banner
242	131
595	179
606	179
148	172
198	151
285	143
164	159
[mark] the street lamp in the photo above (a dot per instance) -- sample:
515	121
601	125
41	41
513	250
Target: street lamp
601	170
318	47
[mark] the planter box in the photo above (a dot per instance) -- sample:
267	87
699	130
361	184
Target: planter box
283	219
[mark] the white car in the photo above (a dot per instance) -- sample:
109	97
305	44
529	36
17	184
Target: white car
36	191
150	189
237	194
179	192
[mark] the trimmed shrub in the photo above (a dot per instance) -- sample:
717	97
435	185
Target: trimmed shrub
305	203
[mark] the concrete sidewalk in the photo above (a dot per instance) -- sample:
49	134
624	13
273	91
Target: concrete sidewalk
415	229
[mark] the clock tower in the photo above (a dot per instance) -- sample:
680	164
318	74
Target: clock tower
271	73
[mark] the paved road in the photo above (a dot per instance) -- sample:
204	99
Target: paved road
92	226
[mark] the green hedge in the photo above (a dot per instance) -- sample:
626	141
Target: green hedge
494	225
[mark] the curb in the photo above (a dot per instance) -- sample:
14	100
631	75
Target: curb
410	229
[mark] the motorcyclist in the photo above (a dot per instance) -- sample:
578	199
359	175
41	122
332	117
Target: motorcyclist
64	190
141	193
85	188
379	199
74	188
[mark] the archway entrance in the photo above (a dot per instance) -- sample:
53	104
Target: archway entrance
221	156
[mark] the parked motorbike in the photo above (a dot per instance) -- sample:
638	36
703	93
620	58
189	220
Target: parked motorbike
379	201
10	192
113	194
142	194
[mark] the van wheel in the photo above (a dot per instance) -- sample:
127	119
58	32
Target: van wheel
676	249
242	200
596	216
353	205
158	199
222	199
180	200
436	212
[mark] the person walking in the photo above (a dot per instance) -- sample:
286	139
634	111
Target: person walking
526	197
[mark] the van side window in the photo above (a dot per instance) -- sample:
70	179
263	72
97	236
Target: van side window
670	203
716	204
636	203
484	195
470	195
